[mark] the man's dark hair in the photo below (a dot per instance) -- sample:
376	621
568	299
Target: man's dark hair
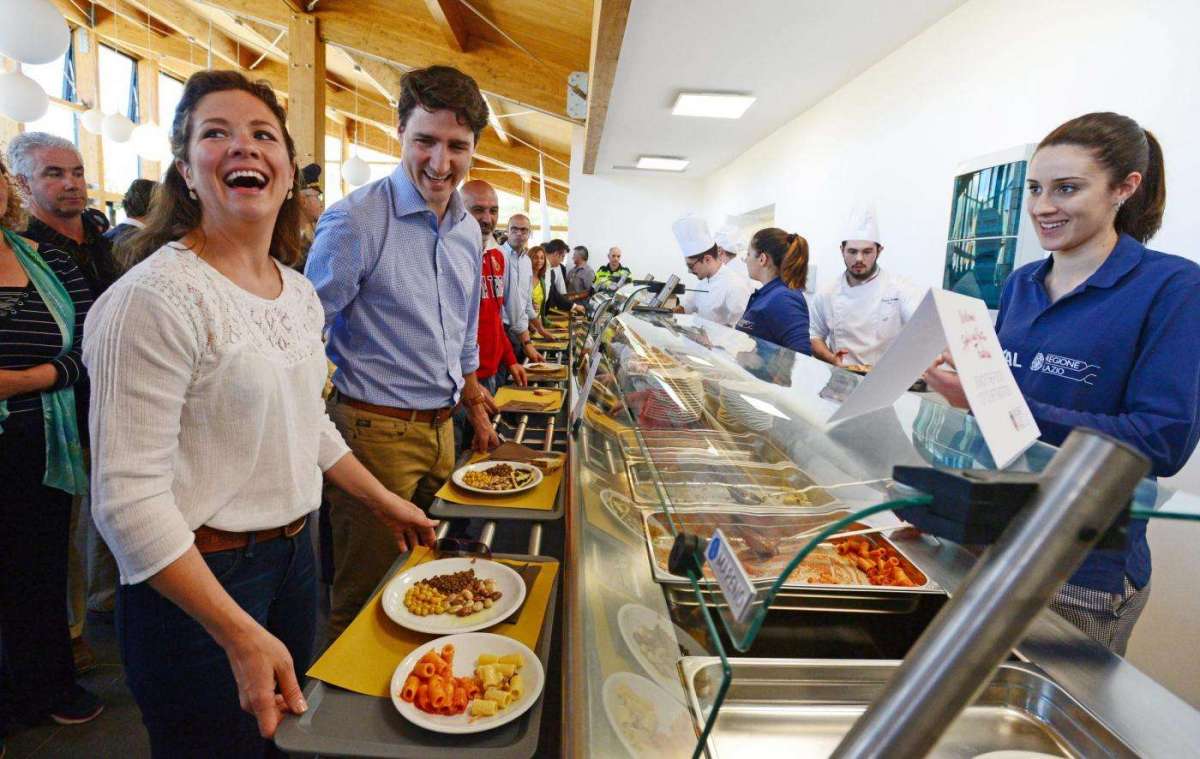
137	198
439	87
581	250
555	246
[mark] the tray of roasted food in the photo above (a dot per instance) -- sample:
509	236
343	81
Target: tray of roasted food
699	480
665	445
856	568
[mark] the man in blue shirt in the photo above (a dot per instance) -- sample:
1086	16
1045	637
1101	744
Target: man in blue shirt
397	267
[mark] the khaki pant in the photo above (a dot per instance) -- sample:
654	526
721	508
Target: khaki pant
411	459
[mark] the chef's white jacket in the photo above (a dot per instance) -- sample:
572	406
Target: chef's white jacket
721	298
863	320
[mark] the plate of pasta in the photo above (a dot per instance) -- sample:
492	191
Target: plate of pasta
467	683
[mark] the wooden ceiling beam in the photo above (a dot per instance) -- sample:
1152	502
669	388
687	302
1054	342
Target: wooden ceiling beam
608	32
512	184
497	125
125	27
499	69
448	15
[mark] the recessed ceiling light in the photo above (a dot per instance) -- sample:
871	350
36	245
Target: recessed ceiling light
662	163
712	105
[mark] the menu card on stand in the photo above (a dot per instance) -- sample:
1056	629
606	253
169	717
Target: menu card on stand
963	325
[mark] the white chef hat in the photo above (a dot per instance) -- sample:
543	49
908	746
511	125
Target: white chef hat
691	232
862	225
728	238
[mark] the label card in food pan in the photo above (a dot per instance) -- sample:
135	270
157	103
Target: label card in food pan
731	575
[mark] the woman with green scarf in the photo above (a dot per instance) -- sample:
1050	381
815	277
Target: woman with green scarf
43	301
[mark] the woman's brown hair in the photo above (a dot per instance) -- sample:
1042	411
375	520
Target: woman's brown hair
788	251
14	217
538	274
173	213
1122	147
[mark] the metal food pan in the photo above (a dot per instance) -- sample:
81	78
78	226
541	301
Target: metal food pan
700	442
804	707
745	483
765	526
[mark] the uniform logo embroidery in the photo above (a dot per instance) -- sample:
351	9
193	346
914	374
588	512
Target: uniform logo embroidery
1073	369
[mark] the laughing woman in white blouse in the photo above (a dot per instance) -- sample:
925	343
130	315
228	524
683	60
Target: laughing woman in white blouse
209	435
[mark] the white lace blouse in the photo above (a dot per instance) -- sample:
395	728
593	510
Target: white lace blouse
206	408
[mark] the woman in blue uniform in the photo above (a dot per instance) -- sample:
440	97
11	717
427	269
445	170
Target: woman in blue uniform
777	311
1104	333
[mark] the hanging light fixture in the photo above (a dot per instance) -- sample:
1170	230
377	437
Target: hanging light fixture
92	120
118	127
33	31
21	98
355	170
148	139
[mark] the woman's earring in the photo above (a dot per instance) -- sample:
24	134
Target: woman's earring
289	195
191	193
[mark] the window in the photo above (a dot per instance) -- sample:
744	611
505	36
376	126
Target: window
53	77
117	96
170	90
985	218
333	170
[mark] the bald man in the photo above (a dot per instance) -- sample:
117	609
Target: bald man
495	350
519	315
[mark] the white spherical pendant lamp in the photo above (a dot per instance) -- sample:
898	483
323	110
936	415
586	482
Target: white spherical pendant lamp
33	31
92	120
21	98
356	171
118	127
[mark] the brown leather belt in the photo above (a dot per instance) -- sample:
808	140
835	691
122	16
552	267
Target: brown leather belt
432	416
211	540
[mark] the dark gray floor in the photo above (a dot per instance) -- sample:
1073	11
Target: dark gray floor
117	732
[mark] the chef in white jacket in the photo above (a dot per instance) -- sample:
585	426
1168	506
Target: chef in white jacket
854	319
731	248
721	295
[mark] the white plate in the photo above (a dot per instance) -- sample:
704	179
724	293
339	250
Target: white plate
467	648
633	617
508	582
543	366
479	466
667	712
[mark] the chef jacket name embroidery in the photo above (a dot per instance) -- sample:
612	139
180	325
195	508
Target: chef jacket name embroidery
1072	369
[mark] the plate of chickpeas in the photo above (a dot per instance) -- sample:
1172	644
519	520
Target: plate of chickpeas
453	595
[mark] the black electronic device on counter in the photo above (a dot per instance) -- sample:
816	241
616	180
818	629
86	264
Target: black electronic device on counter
973	506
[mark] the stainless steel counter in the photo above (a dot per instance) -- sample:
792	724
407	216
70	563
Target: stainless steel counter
619	624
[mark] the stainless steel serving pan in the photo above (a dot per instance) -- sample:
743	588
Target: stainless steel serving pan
803	708
877	599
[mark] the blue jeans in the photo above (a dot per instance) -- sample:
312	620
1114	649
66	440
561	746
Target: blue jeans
181	678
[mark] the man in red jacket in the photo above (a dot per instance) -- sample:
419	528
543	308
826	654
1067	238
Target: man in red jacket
495	349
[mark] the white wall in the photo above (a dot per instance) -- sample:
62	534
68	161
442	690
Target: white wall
994	74
991	75
632	212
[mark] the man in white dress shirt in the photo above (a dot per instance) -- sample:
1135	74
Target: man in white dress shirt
854	319
722	294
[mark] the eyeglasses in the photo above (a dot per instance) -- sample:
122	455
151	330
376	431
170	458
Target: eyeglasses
460	547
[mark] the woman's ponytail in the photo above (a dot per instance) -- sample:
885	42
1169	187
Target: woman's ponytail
787	251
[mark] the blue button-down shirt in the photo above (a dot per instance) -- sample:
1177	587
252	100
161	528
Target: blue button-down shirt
778	314
1119	354
518	290
400	292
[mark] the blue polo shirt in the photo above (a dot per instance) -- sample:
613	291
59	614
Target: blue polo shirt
1119	354
778	314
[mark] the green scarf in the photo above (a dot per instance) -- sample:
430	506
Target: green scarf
64	453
